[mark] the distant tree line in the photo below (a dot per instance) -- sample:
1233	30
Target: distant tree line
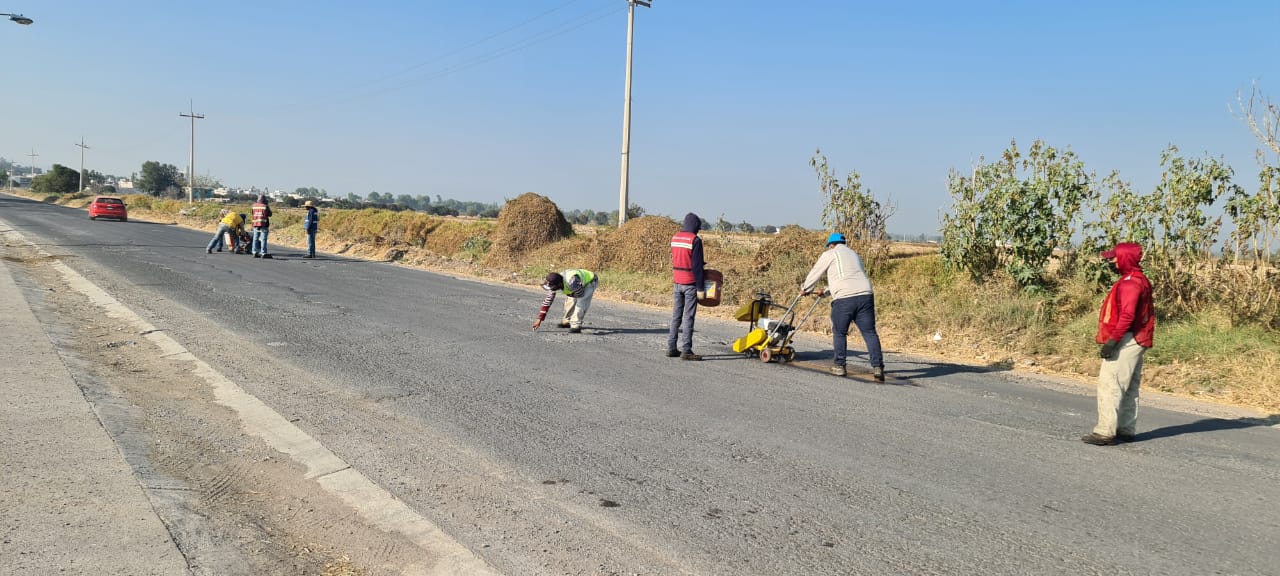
603	217
440	206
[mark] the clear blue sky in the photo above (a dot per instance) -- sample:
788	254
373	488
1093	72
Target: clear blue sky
730	98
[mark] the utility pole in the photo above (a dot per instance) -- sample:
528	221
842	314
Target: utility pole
626	110
191	168
33	156
82	149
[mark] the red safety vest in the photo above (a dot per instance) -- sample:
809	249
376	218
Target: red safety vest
682	257
260	216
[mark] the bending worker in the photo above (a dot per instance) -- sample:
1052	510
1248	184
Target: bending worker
229	225
578	286
852	301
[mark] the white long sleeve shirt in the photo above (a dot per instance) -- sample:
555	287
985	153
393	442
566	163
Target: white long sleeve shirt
845	275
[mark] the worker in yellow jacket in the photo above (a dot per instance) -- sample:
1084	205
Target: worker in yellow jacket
231	222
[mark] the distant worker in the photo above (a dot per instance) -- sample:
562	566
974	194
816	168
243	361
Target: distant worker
261	226
310	224
852	301
687	269
578	286
1126	324
228	226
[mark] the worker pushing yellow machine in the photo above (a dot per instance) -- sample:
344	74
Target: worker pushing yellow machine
769	338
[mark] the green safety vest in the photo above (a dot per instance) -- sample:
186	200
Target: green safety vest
586	276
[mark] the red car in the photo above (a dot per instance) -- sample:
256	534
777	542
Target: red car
108	207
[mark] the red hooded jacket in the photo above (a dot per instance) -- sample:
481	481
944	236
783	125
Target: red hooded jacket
1129	306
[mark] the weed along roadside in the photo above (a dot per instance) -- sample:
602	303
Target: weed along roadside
922	306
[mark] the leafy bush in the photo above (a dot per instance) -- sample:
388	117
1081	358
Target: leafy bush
1012	215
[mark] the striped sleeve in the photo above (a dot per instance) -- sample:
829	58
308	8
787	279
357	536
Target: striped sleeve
546	305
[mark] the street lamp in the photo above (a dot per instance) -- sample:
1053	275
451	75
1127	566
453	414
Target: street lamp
23	20
626	111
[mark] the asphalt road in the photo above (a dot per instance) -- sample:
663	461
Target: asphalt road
593	453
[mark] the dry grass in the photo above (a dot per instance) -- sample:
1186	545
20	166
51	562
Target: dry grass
525	224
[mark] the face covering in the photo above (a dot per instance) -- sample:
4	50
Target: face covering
1112	266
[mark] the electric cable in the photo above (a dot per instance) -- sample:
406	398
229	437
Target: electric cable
535	39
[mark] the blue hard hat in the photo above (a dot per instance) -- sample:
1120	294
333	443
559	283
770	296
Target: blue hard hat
835	238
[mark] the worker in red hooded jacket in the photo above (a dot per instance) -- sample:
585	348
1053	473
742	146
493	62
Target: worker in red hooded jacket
1126	325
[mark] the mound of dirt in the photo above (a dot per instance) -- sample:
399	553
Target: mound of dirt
527	223
641	245
792	244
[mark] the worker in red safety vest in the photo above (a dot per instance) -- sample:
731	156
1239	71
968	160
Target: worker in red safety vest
687	275
261	226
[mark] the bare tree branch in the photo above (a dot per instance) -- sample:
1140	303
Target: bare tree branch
1261	115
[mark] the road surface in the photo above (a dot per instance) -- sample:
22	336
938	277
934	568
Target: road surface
593	453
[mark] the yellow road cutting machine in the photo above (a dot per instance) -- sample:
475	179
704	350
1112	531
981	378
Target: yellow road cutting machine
770	338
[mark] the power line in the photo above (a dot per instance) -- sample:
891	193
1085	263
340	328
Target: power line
490	56
345	94
472	44
138	146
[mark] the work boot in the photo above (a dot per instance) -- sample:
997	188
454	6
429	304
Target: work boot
257	255
690	356
575	330
878	374
267	256
837	370
673	353
1123	437
1098	439
563	324
208	251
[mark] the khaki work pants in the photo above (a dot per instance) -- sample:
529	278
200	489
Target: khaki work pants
575	309
1118	382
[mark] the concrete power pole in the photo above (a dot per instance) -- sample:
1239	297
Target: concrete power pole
191	168
82	149
33	156
626	110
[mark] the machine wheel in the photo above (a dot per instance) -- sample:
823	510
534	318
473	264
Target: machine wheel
93	217
789	355
766	355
